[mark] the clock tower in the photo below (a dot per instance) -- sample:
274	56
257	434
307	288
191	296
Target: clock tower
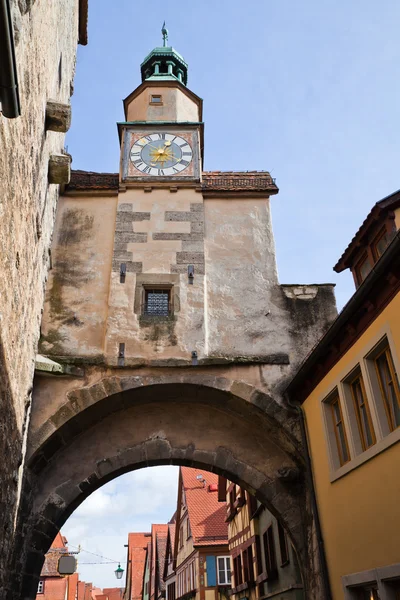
161	138
179	266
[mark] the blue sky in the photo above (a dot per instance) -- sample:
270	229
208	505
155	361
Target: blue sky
307	90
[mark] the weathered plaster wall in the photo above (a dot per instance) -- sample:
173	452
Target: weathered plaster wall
175	106
243	315
234	308
46	37
167	236
75	313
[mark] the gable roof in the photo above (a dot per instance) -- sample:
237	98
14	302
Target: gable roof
57	548
170	544
206	514
381	207
158	544
371	297
137	546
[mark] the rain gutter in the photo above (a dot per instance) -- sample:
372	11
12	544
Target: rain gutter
9	95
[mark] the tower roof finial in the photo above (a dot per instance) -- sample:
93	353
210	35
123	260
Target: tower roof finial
164	32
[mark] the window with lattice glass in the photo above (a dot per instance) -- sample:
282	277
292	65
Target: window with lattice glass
369	592
157	303
362	411
224	570
339	429
363	268
389	387
380	244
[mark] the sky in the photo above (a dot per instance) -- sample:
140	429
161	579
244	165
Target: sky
309	91
101	524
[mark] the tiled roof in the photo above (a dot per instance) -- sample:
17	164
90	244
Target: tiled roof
161	550
88	180
389	202
158	542
57	548
114	593
232	181
206	514
213	181
137	546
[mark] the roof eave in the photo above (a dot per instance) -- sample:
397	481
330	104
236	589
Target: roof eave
165	83
338	326
390	201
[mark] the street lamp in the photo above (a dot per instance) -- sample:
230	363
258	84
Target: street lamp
119	572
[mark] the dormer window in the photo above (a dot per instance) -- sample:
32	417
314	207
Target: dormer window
363	268
380	243
156	99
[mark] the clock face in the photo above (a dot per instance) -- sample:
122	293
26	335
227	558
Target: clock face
161	154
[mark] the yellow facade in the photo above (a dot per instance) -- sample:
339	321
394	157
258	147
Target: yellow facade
359	503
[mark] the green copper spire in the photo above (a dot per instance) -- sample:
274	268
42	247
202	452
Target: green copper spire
164	63
164	32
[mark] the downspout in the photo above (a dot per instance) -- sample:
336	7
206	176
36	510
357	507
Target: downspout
314	506
9	95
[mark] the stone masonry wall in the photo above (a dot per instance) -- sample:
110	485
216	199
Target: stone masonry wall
46	35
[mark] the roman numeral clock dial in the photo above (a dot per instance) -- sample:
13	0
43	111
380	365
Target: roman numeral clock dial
161	154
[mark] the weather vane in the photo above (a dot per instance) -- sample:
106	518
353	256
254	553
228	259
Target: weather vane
164	32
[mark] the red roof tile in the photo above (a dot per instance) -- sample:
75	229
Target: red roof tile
213	181
206	514
88	180
137	546
57	548
114	593
158	544
233	181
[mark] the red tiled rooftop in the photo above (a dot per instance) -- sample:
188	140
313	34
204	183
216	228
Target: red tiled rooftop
206	514
218	181
137	546
57	548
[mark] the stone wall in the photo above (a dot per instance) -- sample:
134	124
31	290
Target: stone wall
46	36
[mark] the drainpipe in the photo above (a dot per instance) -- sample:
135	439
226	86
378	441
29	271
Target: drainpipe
9	96
314	506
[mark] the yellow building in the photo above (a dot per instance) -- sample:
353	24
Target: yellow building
263	561
349	392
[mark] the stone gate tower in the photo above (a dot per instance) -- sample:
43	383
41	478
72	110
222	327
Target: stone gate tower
166	336
177	265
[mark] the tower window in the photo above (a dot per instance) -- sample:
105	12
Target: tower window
157	303
156	99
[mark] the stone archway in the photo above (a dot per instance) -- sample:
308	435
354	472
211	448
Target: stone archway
120	424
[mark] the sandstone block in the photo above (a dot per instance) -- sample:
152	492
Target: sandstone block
58	116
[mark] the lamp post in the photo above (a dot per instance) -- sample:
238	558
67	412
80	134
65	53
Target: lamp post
119	572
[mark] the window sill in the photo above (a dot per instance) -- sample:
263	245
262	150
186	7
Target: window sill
285	564
258	511
151	319
362	458
231	515
240	588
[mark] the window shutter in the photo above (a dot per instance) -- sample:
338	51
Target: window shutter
211	571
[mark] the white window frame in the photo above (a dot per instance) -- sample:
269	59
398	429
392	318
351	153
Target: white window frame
364	362
227	561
